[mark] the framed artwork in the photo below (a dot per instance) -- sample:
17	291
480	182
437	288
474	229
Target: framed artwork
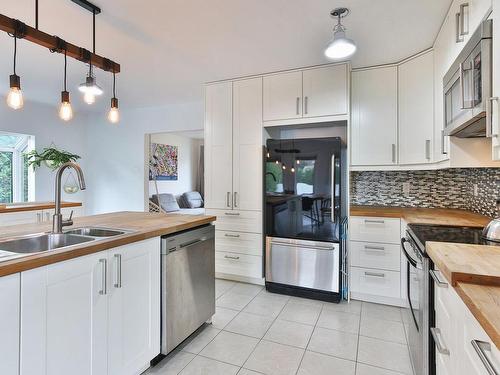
163	164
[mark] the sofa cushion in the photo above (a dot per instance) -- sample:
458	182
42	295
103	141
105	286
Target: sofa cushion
167	202
193	199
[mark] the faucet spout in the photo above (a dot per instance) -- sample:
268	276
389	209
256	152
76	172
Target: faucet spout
58	222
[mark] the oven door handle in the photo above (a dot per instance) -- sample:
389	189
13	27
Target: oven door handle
408	257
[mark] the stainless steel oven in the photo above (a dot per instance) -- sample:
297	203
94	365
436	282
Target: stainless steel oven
467	87
417	273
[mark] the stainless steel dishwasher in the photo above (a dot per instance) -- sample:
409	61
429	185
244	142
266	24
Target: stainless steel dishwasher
187	284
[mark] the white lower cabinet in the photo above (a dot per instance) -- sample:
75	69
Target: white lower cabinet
462	345
9	324
76	320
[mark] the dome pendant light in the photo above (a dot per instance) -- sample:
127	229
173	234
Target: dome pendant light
340	47
65	110
114	114
15	95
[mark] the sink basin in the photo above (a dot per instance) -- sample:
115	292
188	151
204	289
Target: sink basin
96	232
41	242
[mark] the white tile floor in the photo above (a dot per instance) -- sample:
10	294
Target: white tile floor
255	332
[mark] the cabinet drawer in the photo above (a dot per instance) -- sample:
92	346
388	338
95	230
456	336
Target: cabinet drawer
376	255
375	229
238	221
238	242
238	264
375	282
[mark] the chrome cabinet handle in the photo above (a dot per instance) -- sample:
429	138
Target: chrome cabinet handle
369	221
462	20
393	152
230	257
235	199
104	276
375	248
297	105
231	235
480	347
232	213
118	283
428	149
306	102
490	132
38	217
332	209
436	335
458	37
228	199
437	279
374	274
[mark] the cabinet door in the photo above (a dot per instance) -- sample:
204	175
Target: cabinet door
416	109
218	146
9	324
325	91
134	307
22	217
247	144
495	104
283	96
64	318
374	117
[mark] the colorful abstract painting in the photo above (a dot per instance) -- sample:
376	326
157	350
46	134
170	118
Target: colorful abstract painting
163	164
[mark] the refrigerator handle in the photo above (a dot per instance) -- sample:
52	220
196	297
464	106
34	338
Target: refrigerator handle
332	209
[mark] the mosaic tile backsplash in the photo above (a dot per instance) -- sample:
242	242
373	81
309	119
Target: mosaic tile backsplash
445	188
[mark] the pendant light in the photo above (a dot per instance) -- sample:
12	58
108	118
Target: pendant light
89	88
114	114
65	110
15	95
340	47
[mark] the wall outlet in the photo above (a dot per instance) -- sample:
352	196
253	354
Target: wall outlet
406	189
475	191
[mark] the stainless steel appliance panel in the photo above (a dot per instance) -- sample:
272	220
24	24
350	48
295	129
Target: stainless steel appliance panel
301	263
188	284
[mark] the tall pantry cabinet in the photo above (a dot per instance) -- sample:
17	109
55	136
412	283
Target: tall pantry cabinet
233	175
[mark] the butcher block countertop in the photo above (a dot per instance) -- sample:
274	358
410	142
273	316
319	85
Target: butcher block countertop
438	216
33	206
142	224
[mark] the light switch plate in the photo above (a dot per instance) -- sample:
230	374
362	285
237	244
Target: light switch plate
406	189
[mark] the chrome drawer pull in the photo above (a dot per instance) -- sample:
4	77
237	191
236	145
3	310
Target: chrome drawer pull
232	235
437	279
230	257
480	347
368	221
232	213
118	283
374	274
104	276
436	335
375	248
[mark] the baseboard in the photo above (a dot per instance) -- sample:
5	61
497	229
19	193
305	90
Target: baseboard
242	279
399	302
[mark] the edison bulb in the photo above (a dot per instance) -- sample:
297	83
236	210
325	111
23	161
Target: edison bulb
293	170
15	98
65	111
89	98
114	115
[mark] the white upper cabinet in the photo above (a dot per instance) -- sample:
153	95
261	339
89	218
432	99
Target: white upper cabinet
247	144
415	107
495	104
374	116
325	91
283	96
9	324
218	145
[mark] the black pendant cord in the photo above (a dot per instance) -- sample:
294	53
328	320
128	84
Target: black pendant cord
65	69
93	30
114	85
15	53
36	14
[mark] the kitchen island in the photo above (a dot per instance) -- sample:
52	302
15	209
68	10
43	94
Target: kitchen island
92	307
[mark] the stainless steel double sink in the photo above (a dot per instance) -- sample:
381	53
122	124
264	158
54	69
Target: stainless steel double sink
40	242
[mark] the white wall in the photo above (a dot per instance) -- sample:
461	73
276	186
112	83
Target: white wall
188	158
43	122
115	163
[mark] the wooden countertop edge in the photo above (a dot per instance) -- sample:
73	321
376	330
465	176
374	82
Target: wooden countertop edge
36	260
491	329
36	207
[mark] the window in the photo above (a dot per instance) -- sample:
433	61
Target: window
304	176
16	178
274	177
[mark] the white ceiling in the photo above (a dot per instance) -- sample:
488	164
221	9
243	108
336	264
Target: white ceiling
167	49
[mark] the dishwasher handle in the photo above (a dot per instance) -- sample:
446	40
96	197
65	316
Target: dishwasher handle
191	243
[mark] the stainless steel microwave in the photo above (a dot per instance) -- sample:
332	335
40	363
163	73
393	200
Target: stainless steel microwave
467	87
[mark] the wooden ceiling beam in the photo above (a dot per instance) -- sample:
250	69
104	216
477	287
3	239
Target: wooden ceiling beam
36	36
